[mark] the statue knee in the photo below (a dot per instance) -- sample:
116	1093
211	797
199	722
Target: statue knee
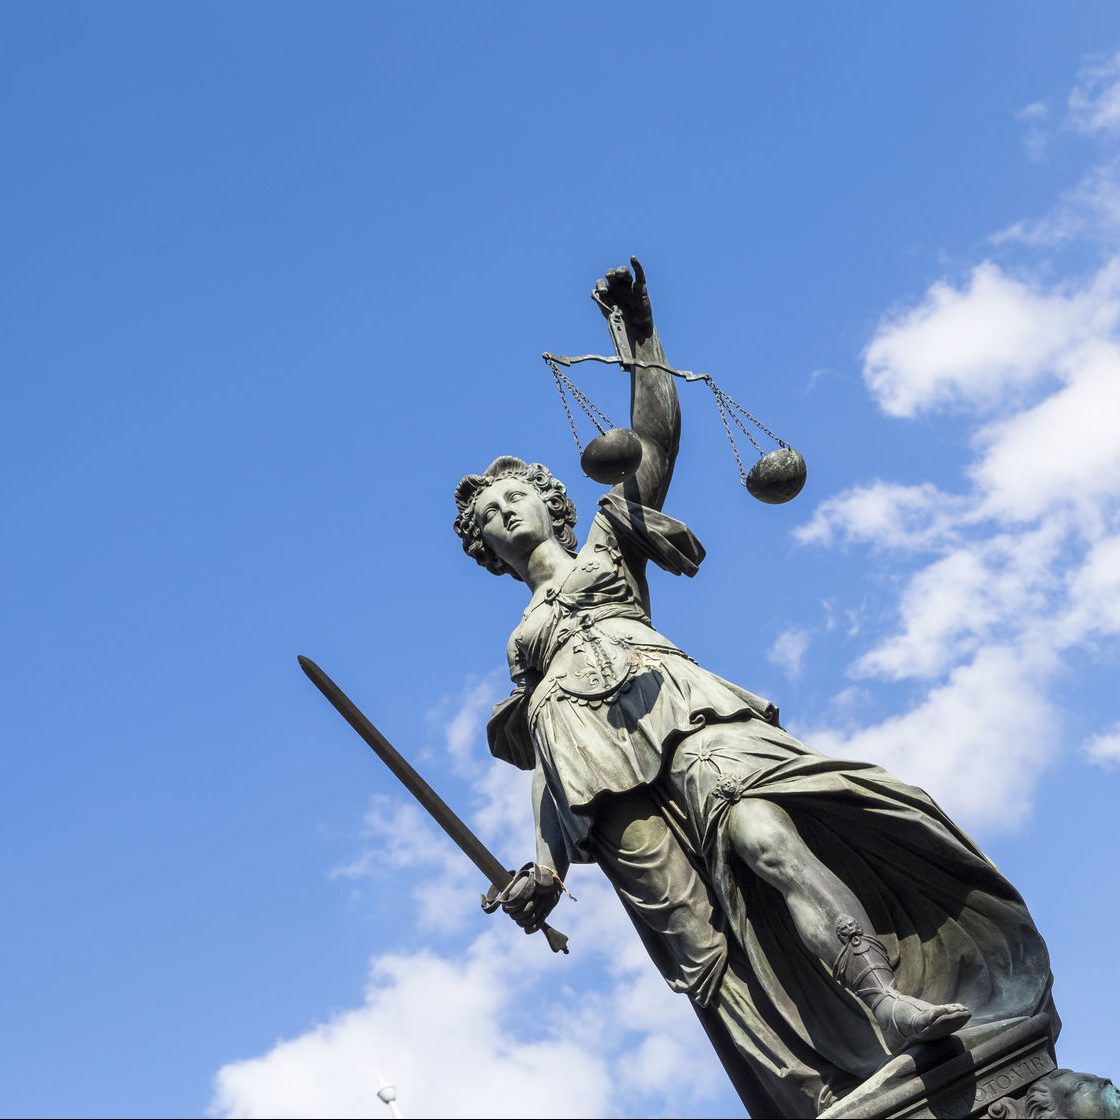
763	836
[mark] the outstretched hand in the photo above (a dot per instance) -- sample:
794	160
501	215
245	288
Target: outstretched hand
628	293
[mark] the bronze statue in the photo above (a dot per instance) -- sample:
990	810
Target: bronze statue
821	915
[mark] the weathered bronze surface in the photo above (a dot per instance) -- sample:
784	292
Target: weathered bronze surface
777	477
849	951
612	457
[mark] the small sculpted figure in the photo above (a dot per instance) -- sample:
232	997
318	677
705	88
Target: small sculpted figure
819	914
1065	1095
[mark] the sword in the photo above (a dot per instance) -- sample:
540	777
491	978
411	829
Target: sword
440	811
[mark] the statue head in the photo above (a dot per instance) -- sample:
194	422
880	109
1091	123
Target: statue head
1064	1093
495	487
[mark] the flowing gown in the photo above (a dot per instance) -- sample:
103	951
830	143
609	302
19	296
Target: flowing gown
644	753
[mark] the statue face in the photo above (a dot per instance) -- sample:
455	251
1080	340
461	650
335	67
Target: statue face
1085	1095
513	518
1065	1093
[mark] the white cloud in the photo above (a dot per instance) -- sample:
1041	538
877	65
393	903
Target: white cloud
892	516
402	836
985	343
788	650
1094	102
977	743
505	807
1104	749
1062	454
444	1031
398	836
1036	116
1093	596
463	717
1091	109
1090	209
942	608
994	588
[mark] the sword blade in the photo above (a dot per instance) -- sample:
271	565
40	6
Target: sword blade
437	808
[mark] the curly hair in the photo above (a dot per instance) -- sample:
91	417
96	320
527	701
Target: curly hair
553	493
1053	1095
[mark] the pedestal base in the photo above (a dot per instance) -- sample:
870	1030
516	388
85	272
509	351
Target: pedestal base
962	1076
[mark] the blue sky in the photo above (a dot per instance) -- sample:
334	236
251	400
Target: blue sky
276	277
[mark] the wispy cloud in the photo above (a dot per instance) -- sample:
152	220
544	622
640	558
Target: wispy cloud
1091	208
1104	749
888	515
788	650
1036	118
457	719
1094	102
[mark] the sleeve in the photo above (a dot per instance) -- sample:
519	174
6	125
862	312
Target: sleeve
649	534
508	730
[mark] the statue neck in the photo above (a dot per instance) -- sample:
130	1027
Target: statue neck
547	562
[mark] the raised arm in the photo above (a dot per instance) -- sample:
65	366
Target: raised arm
655	413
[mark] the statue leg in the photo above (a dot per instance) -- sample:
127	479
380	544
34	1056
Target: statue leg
825	913
676	916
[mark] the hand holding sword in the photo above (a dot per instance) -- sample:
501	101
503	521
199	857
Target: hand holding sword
527	895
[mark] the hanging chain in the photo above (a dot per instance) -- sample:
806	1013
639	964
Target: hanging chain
595	414
718	394
567	411
753	419
728	407
730	410
726	402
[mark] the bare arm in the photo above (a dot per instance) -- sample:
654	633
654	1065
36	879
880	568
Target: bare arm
655	414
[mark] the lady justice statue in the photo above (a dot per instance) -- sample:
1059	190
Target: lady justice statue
820	915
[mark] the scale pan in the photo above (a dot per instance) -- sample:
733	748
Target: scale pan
777	477
612	457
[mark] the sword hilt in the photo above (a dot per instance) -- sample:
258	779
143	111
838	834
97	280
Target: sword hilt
557	941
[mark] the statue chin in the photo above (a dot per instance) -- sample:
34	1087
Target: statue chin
1066	1095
